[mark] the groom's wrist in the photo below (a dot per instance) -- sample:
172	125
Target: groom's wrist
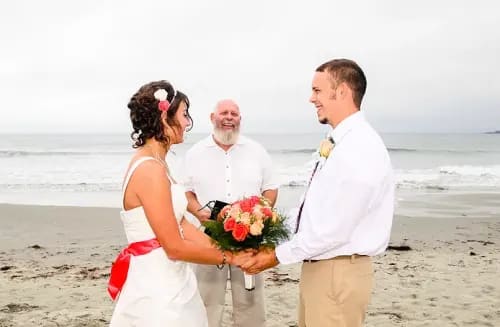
275	258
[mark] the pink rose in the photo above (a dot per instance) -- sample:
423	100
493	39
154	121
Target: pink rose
267	212
254	200
246	205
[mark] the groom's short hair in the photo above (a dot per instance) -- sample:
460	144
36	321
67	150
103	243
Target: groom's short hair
346	71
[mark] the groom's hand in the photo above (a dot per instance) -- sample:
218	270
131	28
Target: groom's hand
263	260
239	258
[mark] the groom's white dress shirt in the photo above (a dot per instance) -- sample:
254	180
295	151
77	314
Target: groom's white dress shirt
349	205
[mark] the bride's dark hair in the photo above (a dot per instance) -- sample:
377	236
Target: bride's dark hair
146	117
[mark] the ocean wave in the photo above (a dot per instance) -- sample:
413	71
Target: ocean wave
99	179
479	171
449	177
401	150
437	151
391	150
291	151
17	153
77	187
438	179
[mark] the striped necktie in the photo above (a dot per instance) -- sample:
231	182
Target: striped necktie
305	194
304	199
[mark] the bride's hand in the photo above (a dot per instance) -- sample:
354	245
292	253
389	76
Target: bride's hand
263	260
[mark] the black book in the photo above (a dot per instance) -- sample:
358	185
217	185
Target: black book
215	207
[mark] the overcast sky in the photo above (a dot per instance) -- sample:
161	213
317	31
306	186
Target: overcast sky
71	66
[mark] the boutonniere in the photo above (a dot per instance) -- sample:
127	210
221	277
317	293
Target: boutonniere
325	147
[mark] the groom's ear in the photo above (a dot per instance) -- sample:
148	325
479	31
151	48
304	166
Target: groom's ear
212	117
342	91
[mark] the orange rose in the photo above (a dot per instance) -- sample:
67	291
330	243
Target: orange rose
229	224
240	232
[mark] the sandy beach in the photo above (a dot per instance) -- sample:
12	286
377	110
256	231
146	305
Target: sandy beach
54	266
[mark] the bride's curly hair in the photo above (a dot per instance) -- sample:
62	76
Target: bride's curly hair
146	118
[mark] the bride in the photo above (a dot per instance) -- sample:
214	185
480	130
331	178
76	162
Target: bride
151	281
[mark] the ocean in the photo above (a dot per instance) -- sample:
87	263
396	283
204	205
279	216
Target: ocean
87	170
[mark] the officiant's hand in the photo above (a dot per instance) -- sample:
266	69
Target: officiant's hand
263	260
203	215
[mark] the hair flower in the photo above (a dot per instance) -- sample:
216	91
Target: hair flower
163	105
161	96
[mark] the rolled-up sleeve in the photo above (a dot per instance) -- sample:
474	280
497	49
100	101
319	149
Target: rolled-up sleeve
187	178
268	176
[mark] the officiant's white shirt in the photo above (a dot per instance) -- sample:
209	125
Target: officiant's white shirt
349	206
214	174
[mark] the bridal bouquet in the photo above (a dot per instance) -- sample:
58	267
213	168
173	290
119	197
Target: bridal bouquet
250	223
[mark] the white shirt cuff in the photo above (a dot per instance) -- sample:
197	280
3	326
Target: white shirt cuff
285	255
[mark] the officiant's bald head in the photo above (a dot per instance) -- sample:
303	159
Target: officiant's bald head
226	104
226	120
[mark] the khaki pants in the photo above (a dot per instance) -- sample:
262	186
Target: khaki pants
335	292
248	306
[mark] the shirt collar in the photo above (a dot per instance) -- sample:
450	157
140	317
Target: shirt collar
346	126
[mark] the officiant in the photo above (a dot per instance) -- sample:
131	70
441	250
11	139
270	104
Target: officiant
226	166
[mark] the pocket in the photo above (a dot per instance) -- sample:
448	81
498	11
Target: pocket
349	279
338	290
362	267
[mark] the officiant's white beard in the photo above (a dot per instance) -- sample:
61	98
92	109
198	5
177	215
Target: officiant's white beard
226	137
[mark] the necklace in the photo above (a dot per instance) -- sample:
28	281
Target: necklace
158	157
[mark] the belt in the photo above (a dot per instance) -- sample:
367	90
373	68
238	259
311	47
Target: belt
352	257
119	269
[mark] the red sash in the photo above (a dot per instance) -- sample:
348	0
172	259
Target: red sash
119	269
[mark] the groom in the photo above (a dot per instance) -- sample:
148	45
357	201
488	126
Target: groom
346	215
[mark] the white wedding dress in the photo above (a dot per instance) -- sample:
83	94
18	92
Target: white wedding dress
158	291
